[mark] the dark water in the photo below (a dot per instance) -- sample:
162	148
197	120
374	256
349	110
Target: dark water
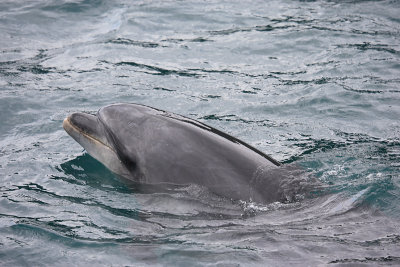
313	83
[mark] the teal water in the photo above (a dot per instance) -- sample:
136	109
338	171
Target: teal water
312	83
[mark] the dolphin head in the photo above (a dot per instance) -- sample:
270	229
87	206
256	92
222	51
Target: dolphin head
115	136
93	135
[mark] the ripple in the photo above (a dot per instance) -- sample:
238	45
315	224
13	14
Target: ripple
125	41
368	46
384	260
154	70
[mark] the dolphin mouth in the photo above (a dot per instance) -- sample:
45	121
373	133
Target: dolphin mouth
85	127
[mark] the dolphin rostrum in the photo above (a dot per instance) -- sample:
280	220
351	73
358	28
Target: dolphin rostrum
152	146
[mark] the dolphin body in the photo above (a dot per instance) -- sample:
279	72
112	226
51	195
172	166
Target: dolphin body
152	146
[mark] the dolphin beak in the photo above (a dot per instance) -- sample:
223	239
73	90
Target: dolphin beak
81	122
83	127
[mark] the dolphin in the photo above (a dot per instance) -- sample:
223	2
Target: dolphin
152	146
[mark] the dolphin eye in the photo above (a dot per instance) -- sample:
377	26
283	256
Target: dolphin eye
125	155
129	162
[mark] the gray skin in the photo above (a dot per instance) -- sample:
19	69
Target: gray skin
152	146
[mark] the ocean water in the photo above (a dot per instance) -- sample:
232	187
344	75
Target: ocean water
311	83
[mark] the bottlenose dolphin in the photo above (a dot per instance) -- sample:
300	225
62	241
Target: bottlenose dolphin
152	146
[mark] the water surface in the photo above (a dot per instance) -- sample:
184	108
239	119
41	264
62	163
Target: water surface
312	83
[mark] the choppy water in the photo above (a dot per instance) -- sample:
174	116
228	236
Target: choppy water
314	83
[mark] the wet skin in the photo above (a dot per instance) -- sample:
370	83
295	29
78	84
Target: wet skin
152	146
